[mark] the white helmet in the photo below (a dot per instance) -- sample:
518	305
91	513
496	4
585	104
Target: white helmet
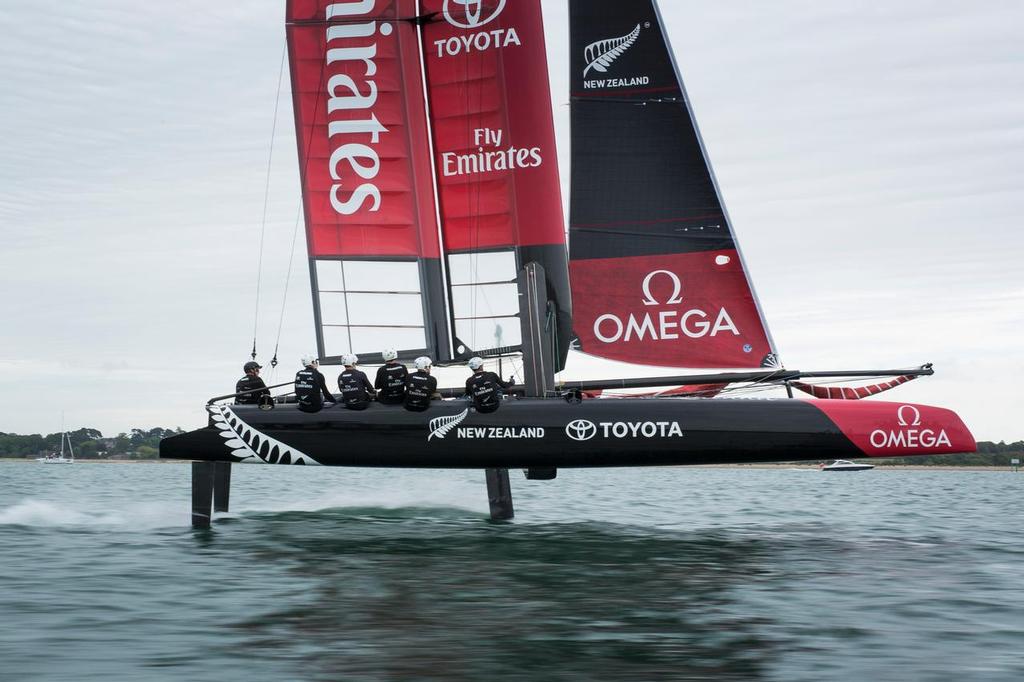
476	363
349	359
389	354
423	362
309	360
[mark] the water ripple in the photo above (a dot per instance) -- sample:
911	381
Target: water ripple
662	574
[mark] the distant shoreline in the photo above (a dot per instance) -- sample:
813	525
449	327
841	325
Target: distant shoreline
93	460
878	467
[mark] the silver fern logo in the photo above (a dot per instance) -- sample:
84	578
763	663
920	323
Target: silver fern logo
601	54
440	426
250	445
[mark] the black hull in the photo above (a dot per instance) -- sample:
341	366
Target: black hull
534	433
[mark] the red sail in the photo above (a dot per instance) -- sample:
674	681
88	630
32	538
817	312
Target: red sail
494	160
365	168
657	277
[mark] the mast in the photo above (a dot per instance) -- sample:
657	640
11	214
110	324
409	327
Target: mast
496	172
499	199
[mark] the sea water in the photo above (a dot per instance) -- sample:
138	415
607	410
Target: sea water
645	574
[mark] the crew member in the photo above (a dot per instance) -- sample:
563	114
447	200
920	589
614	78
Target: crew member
485	387
420	388
311	387
250	382
390	381
356	391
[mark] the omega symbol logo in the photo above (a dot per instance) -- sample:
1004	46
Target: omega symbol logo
581	429
472	11
677	288
901	415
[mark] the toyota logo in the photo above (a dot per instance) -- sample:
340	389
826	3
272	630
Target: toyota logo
472	11
581	429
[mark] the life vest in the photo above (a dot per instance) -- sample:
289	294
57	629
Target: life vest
353	383
390	383
248	383
419	389
307	390
485	390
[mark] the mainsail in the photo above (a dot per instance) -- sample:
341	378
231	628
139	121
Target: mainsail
364	158
657	277
500	204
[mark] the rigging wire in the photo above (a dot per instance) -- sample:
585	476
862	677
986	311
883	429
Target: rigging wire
298	216
266	198
474	195
287	281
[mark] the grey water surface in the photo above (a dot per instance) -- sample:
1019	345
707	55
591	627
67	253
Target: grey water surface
649	574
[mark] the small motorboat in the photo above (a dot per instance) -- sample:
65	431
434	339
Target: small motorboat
846	465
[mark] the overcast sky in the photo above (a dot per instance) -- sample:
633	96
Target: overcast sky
871	155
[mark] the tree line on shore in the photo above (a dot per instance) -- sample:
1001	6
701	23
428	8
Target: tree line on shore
144	444
88	444
989	454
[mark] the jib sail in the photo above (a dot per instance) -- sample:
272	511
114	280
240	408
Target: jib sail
364	159
657	277
495	166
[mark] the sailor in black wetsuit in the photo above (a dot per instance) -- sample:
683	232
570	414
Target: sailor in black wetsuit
356	391
420	387
390	381
311	387
484	388
250	382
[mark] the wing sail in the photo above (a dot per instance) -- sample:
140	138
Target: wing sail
364	160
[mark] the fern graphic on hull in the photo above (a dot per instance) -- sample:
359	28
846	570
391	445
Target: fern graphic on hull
249	445
440	426
601	54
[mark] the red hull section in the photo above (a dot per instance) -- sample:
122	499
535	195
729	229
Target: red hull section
896	430
672	310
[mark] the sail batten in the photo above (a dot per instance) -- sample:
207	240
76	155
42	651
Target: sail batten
657	275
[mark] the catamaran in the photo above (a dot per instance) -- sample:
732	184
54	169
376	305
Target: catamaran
434	225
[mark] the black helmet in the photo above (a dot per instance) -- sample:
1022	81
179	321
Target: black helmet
251	365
